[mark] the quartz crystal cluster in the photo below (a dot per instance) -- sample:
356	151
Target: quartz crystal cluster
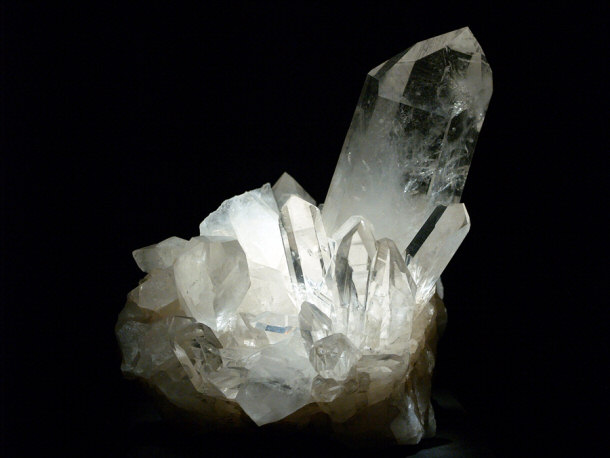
282	310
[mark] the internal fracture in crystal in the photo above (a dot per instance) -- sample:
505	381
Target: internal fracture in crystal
278	310
410	143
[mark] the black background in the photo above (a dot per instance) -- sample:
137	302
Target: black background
125	124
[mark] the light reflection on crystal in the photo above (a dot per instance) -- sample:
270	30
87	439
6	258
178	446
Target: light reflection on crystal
278	308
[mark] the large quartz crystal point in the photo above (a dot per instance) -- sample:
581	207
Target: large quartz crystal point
410	143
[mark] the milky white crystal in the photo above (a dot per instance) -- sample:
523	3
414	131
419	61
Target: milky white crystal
277	310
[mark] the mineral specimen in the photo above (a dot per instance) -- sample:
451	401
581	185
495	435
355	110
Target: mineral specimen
280	311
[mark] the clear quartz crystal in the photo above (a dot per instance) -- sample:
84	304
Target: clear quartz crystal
412	136
278	311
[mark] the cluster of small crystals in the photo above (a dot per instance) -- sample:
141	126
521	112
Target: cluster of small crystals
278	307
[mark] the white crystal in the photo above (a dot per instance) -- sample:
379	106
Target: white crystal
159	256
158	290
278	311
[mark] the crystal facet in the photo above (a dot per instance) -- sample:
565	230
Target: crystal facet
412	136
278	311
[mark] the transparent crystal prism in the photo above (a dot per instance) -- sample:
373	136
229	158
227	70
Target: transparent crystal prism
307	249
412	137
391	298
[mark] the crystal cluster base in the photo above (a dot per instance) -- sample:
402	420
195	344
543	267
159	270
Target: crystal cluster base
281	311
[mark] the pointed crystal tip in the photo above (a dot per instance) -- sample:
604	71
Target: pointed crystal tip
461	40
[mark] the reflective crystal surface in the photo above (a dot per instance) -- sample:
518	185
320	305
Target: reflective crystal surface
278	311
412	136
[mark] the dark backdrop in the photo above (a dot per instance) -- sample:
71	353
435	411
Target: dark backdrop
125	124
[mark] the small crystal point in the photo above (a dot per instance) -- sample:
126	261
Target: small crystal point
159	256
313	323
390	303
287	186
411	139
355	250
334	356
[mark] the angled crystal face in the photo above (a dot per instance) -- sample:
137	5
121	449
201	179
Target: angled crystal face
287	186
159	256
158	290
251	219
313	324
211	280
355	250
411	140
327	390
278	382
334	357
197	349
146	347
347	279
270	291
384	372
244	335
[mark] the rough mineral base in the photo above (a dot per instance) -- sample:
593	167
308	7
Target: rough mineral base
281	311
